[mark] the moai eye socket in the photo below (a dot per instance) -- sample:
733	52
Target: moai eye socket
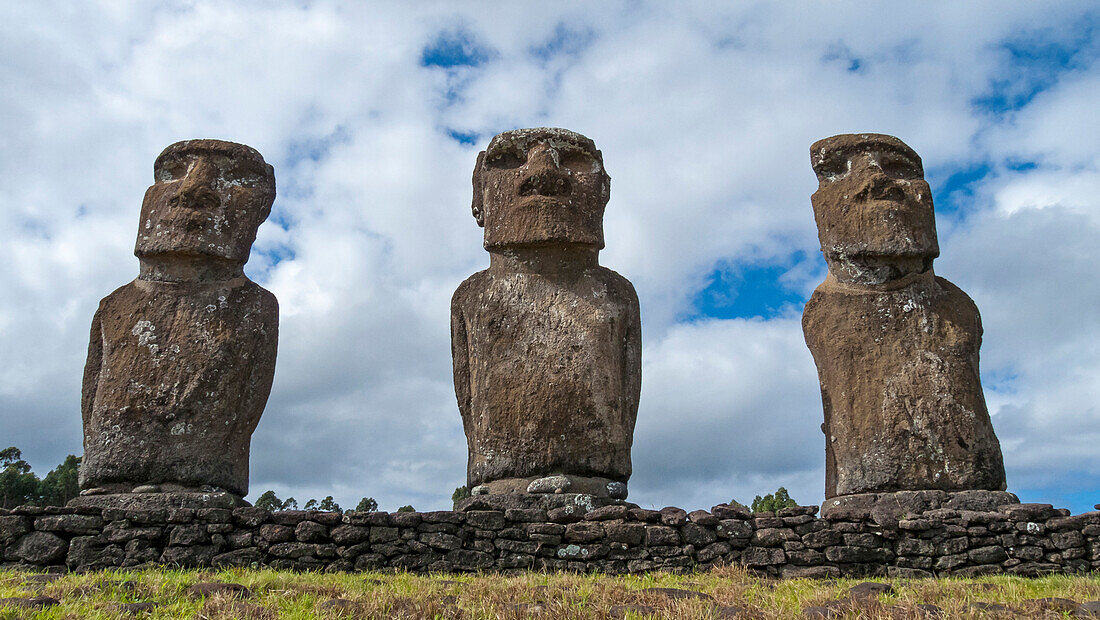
507	157
832	167
899	166
578	160
173	169
245	174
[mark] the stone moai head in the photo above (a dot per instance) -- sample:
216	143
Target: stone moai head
540	186
872	204
206	202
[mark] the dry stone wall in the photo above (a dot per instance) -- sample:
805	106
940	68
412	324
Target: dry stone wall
1021	539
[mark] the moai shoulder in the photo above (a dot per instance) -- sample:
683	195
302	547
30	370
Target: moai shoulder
546	342
181	360
896	346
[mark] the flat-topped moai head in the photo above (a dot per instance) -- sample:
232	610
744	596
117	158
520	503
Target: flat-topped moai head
181	360
896	347
199	218
546	342
542	186
873	208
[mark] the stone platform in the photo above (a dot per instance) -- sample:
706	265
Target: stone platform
580	503
192	500
886	509
1017	539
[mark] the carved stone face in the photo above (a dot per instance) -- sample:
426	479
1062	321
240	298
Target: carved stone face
538	186
872	201
207	200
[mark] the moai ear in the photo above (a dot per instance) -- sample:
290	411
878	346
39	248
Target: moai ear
605	191
477	206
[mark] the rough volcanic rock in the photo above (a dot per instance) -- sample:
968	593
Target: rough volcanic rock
193	500
41	548
546	343
896	346
181	359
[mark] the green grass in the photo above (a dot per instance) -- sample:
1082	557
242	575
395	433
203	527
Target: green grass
279	594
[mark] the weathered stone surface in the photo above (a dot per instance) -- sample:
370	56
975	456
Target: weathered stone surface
579	504
946	541
895	346
238	557
869	589
981	500
546	342
192	500
69	524
41	548
13	526
181	359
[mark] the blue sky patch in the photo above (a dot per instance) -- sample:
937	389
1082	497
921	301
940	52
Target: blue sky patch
746	291
565	40
953	195
463	137
841	54
315	148
454	48
1034	61
1065	495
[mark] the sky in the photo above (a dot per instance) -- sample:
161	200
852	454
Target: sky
372	114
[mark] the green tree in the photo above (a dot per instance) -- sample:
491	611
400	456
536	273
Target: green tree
310	505
329	504
18	484
367	504
61	484
269	501
460	493
773	502
406	509
734	502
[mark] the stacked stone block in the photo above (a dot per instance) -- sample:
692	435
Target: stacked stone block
1021	539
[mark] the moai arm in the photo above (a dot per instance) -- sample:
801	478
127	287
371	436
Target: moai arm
263	369
91	368
460	354
632	357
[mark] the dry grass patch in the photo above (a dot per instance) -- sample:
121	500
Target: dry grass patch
728	592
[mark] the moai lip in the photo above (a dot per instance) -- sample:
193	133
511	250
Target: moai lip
896	347
180	360
546	343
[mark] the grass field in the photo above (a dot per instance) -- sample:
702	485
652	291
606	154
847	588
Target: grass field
721	593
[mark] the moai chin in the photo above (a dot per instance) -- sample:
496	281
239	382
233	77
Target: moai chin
181	359
896	347
546	343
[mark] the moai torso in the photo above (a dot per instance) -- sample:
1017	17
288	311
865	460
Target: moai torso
896	347
546	343
181	377
181	360
899	383
551	373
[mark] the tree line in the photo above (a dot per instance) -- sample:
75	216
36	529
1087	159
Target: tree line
20	486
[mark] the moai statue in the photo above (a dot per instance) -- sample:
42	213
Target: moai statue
896	346
546	342
181	359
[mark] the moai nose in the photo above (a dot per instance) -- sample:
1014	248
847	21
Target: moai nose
197	189
875	184
880	187
545	177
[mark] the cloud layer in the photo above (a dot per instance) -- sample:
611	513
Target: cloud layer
372	117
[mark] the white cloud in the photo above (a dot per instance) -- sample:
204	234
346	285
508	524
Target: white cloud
704	116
